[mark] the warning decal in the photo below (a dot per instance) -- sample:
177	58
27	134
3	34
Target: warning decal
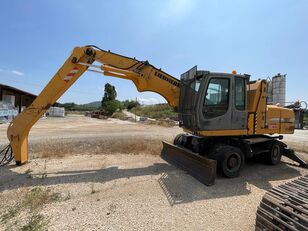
70	75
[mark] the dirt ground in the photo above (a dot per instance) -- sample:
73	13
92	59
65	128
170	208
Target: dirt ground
107	175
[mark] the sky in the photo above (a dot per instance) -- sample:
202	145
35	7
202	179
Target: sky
257	37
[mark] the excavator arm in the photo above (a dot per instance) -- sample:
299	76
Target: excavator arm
145	76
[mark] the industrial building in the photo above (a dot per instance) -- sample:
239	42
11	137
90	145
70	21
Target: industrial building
18	98
276	90
13	101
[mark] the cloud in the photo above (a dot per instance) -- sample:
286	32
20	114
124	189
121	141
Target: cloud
12	72
17	73
150	101
177	9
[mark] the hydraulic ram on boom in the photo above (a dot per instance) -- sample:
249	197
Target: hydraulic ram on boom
145	76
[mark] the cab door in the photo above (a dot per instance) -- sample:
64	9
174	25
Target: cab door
216	103
239	112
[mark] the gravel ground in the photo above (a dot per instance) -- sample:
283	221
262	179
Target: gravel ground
110	190
298	140
141	192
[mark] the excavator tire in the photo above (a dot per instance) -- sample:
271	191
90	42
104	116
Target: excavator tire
230	159
200	167
179	140
274	155
284	207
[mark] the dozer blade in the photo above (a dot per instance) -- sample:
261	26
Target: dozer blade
201	168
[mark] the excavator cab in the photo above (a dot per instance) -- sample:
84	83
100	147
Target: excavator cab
210	102
212	107
225	117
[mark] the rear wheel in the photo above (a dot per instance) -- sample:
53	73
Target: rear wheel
230	160
274	155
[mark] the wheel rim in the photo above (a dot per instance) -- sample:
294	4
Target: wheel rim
233	162
275	153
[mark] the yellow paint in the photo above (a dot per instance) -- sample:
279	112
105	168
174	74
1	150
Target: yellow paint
222	133
250	124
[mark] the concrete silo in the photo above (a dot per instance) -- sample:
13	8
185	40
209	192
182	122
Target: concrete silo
276	90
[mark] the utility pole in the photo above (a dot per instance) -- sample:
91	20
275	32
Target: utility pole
135	112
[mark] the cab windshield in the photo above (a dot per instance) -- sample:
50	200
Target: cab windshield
216	100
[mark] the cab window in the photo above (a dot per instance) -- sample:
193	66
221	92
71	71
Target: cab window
240	93
195	85
216	101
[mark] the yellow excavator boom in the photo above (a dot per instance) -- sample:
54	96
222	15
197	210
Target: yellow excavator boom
145	76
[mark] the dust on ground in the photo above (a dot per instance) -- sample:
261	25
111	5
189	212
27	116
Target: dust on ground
125	188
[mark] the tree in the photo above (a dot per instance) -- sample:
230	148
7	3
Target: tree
109	107
109	102
110	93
129	104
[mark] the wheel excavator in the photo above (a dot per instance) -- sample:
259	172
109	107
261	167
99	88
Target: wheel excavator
225	116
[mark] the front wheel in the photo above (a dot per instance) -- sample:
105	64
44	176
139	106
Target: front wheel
180	140
230	160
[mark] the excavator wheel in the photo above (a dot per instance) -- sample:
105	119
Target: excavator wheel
274	155
179	140
186	141
230	159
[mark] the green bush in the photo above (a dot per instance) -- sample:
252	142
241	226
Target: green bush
119	115
129	104
109	107
79	107
158	111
